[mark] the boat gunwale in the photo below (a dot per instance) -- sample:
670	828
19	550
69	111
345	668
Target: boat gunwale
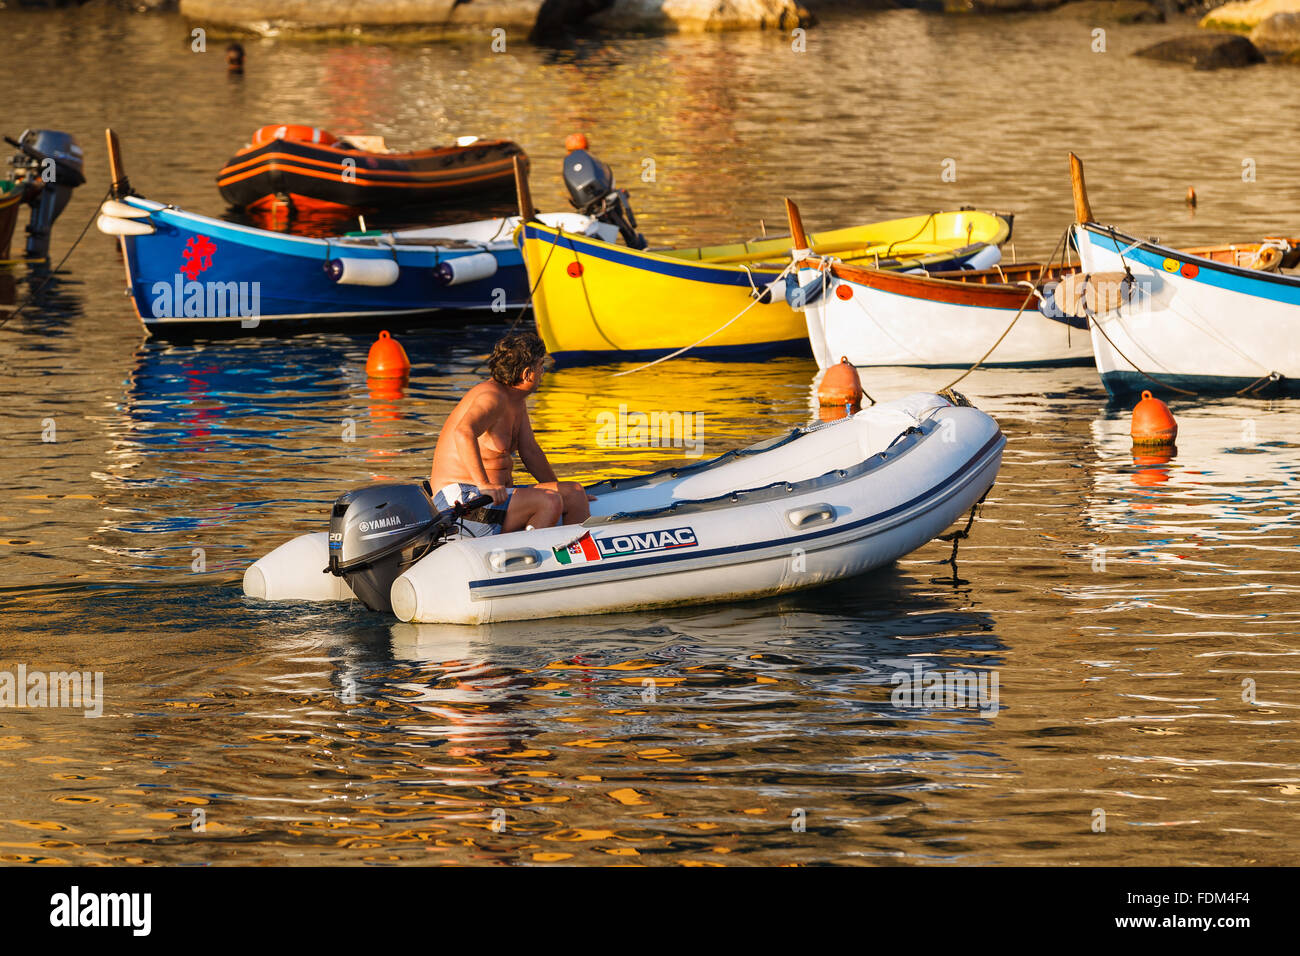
1191	256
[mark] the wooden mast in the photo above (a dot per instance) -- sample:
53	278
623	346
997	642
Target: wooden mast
1082	209
527	211
121	187
797	235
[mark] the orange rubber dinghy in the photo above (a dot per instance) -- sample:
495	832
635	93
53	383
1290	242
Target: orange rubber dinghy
311	169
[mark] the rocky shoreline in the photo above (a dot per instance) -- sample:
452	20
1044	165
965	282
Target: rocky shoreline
1270	28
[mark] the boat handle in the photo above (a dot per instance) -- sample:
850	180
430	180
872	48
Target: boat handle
515	559
810	516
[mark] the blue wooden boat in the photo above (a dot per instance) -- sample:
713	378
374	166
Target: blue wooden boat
192	275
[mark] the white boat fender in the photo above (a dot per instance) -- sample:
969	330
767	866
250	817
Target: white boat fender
112	226
121	210
986	258
346	270
774	291
471	268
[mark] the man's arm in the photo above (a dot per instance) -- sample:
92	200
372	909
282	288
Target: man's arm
531	454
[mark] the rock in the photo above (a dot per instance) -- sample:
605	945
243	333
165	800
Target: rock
148	6
1245	15
418	20
700	15
999	6
1114	11
408	19
1206	51
1280	33
556	15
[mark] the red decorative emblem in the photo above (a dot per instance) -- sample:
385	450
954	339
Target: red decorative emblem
845	292
574	269
197	255
1190	271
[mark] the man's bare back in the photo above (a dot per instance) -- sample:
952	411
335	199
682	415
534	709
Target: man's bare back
484	432
490	416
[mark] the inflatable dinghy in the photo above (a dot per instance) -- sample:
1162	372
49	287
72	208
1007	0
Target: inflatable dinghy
799	510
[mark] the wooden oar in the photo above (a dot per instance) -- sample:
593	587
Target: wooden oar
527	211
121	186
1082	210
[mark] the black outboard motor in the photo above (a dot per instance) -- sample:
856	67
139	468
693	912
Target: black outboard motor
50	164
591	190
378	531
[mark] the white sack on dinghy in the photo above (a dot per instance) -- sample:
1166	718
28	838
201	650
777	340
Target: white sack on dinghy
804	509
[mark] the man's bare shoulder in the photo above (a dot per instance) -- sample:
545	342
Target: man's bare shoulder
489	394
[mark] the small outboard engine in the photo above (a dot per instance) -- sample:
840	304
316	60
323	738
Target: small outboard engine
591	190
50	165
378	531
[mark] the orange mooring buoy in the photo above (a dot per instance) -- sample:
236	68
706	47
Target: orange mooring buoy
1152	422
575	141
387	358
840	385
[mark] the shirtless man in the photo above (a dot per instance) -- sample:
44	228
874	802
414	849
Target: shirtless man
477	444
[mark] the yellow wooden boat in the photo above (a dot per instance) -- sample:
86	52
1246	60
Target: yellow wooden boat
595	301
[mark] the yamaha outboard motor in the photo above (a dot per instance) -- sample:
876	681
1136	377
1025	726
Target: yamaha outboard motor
50	165
378	531
591	190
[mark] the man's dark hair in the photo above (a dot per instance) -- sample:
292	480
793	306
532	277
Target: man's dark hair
515	354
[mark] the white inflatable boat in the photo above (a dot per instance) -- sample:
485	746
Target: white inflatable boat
803	509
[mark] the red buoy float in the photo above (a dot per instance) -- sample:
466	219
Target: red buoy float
840	385
387	358
1153	423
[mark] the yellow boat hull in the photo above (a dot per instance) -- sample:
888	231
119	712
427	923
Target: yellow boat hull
595	301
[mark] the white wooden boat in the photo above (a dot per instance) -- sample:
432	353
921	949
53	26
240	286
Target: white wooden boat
1218	319
928	319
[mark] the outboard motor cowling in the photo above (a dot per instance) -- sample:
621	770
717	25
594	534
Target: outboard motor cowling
50	164
591	191
377	532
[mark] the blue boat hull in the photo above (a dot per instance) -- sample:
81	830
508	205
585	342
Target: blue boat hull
198	275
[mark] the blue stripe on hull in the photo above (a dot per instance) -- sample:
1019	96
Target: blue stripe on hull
1276	287
733	353
1124	386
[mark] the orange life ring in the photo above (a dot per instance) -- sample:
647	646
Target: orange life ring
302	134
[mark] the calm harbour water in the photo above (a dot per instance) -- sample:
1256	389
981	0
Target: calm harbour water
1126	608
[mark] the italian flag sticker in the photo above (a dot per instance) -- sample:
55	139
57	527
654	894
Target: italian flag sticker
579	552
